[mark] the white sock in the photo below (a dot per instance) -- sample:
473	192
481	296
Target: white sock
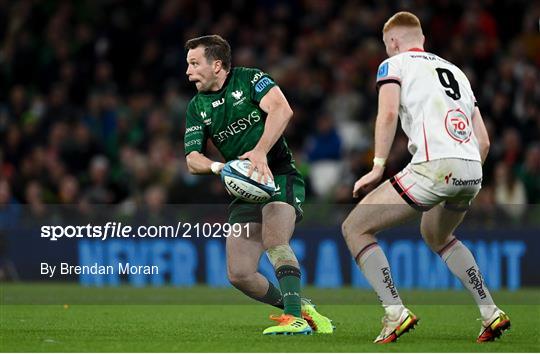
461	263
374	265
394	311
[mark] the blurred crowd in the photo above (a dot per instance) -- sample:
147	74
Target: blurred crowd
93	93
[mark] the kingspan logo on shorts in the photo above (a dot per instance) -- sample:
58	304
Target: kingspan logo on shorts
466	182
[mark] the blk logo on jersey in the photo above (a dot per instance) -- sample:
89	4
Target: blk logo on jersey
218	102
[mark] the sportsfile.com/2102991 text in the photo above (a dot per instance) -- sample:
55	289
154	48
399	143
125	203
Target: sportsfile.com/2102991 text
113	229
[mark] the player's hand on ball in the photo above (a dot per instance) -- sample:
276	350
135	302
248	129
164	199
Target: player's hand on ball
368	180
259	163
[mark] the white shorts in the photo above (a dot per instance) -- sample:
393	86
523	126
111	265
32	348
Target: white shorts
453	181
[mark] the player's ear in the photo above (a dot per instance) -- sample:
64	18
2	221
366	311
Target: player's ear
394	45
218	65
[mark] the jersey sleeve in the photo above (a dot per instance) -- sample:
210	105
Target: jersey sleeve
389	72
259	84
195	135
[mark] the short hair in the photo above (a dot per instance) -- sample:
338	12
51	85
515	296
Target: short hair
215	48
402	19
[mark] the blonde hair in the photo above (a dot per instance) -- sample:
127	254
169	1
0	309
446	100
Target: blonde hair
402	19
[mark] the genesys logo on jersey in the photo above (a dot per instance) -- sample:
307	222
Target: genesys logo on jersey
237	127
193	142
458	125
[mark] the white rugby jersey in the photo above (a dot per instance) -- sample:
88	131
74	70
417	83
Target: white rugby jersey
436	106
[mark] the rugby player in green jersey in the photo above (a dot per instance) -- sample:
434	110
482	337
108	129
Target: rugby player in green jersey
244	113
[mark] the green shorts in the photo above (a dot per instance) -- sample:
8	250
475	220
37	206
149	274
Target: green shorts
290	189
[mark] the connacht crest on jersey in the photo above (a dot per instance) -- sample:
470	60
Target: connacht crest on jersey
237	94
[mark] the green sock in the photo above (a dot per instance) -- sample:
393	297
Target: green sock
289	282
273	296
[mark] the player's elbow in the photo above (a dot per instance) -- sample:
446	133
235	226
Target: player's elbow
484	146
388	116
287	112
483	141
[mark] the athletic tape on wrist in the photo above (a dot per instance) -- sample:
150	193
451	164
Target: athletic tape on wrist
216	167
379	161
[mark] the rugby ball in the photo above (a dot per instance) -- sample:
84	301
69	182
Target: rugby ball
235	178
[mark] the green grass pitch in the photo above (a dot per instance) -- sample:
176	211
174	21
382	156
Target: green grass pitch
70	318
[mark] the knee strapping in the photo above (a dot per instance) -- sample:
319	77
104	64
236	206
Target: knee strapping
282	254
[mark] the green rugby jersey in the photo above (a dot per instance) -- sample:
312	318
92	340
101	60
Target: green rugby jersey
233	120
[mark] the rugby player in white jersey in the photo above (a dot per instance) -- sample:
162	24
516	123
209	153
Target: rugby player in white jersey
449	143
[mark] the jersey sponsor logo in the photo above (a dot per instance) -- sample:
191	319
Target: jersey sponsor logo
207	121
256	77
237	94
447	177
237	127
193	129
422	56
383	71
218	102
389	282
262	84
203	115
475	279
193	142
466	182
429	57
239	102
457	125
